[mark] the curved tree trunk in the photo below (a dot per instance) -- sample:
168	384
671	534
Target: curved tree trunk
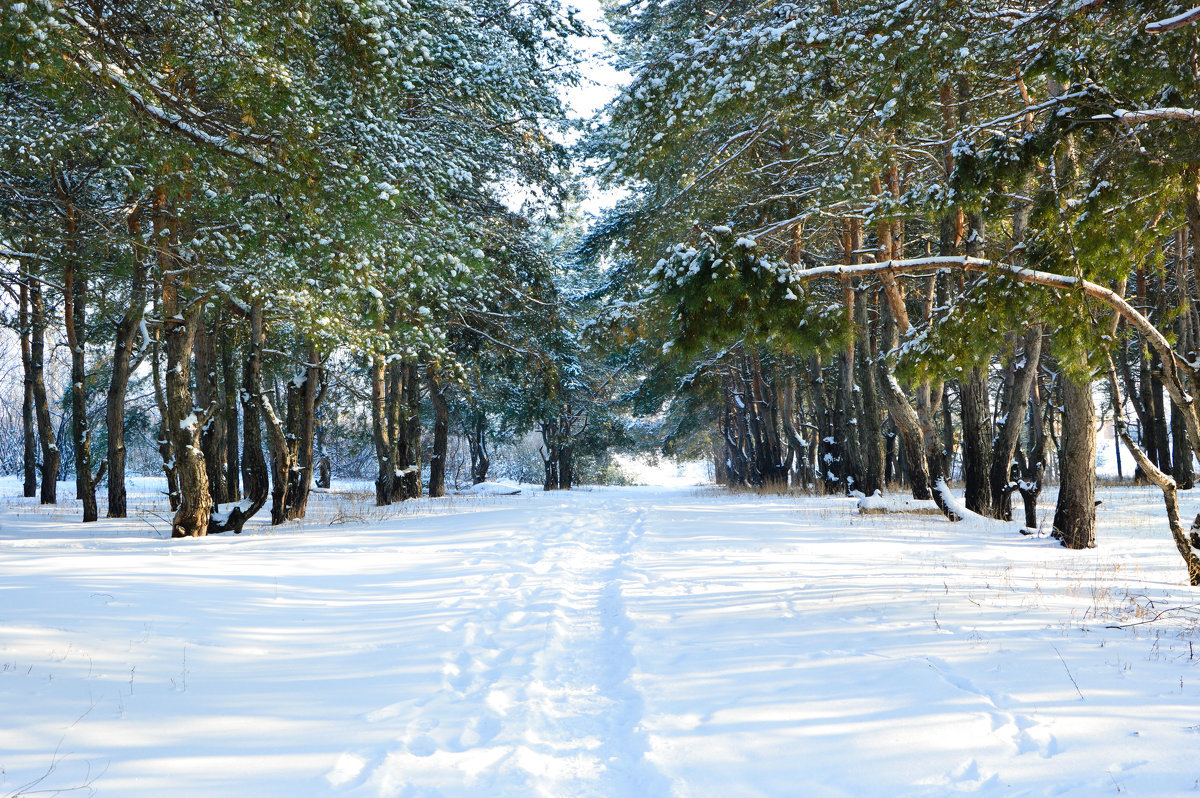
1012	419
283	449
253	463
911	423
1187	542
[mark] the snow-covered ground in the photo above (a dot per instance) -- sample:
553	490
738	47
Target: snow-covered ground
632	642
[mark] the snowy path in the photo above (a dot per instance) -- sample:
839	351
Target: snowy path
624	643
540	658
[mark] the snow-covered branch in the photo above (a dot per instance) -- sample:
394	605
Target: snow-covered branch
1059	281
14	255
1177	21
118	77
1153	114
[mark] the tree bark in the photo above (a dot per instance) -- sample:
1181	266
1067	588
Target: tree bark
28	430
412	430
75	297
164	436
118	386
1008	432
1075	513
253	463
441	432
41	402
304	395
282	446
477	443
977	441
208	399
381	433
181	318
229	381
871	429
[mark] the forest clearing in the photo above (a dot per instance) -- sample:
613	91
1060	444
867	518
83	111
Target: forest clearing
604	642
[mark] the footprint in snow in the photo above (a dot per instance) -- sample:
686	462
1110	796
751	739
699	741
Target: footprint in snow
346	769
968	777
480	731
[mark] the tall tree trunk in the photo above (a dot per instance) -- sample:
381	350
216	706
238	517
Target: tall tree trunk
28	430
823	417
164	436
381	429
41	402
118	386
852	460
253	463
1075	513
304	395
1162	435
180	320
395	416
977	441
412	429
75	296
208	399
229	382
184	425
441	432
910	423
871	429
976	415
477	443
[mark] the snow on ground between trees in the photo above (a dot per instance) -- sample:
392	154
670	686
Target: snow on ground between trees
607	642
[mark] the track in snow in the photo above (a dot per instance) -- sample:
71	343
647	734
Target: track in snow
537	691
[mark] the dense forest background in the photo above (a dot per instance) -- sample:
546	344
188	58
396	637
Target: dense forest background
858	244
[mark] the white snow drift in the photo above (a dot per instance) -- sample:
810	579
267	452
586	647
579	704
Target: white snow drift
632	642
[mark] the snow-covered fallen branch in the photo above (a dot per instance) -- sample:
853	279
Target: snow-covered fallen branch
956	506
880	505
